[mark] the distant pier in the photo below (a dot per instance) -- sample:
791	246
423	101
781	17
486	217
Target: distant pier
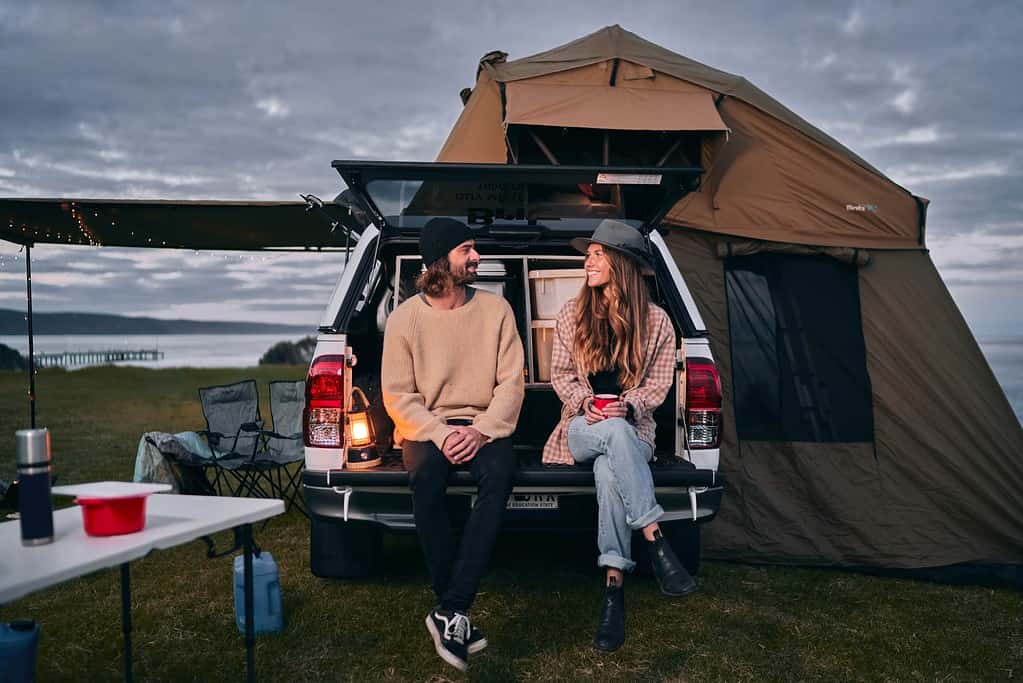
75	359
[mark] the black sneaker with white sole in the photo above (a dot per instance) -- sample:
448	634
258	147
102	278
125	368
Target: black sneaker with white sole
477	641
450	632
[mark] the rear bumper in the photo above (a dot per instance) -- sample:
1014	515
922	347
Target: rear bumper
381	496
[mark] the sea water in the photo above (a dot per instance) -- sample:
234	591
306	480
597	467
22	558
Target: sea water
1004	354
179	350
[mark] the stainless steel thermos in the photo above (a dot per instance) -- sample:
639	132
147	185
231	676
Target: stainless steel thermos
35	506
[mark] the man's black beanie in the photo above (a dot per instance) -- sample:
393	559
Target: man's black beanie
439	236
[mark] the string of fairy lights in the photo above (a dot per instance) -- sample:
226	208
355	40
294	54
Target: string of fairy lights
85	235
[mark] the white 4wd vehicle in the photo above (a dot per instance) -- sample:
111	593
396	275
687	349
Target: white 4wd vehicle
523	218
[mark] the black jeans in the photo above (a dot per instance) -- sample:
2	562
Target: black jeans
457	578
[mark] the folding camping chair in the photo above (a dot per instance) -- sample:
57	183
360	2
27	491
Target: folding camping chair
284	446
234	434
166	458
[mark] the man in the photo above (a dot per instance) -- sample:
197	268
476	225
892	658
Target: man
452	382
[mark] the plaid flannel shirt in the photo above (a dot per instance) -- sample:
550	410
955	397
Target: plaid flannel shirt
573	386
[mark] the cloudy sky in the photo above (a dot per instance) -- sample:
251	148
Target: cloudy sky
252	100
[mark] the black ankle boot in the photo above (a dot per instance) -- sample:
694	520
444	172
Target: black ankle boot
671	575
611	629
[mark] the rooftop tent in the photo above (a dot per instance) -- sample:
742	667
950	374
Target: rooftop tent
862	425
818	192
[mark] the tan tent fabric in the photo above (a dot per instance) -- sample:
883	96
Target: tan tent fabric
478	134
776	178
601	106
629	75
860	257
770	182
614	41
943	486
951	444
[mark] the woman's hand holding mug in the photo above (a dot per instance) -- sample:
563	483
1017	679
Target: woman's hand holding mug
602	407
615	408
591	412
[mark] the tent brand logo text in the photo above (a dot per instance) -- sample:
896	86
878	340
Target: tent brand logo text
861	207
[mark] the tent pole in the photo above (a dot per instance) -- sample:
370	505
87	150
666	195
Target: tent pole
545	149
671	150
31	347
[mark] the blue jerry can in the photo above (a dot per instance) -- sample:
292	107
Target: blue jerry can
18	642
266	594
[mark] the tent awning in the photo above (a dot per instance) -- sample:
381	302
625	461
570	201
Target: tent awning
616	108
173	224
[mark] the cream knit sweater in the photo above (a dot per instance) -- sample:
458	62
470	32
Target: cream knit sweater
464	363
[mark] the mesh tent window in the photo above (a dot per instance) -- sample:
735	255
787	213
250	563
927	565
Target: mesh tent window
799	369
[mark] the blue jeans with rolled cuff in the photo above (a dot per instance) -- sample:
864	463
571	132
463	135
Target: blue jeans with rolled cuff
625	486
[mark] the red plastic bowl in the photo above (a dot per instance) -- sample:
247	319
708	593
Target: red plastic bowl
113	516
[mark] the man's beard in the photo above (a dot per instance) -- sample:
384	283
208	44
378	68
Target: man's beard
464	276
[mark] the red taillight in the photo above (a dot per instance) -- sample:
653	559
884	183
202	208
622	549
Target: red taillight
703	403
325	402
703	386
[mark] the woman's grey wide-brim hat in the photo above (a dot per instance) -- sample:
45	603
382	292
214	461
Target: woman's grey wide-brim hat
620	237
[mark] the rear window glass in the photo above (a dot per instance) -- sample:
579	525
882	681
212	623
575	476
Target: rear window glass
410	203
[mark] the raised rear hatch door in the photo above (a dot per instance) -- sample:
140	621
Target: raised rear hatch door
401	196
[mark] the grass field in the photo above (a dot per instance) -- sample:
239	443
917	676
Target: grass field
538	606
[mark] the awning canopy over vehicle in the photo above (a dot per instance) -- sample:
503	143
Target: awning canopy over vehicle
176	224
158	224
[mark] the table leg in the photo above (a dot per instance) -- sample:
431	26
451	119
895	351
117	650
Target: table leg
126	618
250	627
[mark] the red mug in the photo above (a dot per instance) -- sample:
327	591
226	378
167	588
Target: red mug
601	401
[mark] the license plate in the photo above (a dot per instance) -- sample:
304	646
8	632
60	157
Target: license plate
532	501
527	501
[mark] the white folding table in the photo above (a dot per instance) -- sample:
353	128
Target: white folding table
171	520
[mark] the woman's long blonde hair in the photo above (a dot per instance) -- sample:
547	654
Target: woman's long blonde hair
611	322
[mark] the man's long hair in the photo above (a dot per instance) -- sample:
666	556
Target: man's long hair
437	280
611	322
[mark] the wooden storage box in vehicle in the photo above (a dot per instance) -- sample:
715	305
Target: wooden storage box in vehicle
543	345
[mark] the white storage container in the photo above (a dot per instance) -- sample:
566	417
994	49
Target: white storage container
490	275
552	288
491	269
543	346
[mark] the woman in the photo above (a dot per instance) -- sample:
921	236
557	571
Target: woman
612	340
